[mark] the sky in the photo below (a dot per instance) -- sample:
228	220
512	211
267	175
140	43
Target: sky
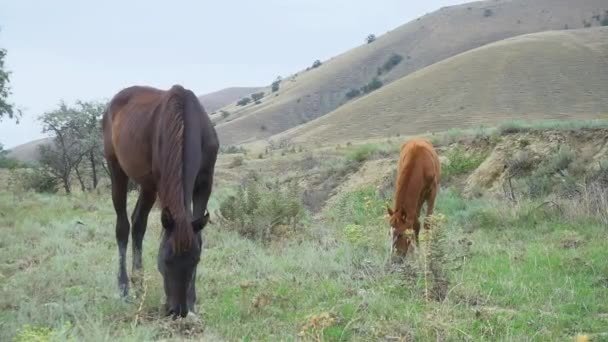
88	50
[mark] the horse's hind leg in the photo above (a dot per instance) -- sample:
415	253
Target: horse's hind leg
139	220
119	199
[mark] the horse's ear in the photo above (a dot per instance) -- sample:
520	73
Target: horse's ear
389	210
167	219
200	223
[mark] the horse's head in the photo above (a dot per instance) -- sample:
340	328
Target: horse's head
402	231
178	268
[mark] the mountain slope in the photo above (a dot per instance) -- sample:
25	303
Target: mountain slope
444	33
218	99
555	74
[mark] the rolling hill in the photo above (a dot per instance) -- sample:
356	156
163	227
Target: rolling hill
307	95
218	99
554	74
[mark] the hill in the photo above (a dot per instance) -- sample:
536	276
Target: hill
218	99
307	95
556	75
28	152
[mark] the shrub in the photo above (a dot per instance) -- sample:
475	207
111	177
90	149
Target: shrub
361	153
258	208
37	180
488	13
461	162
374	84
370	39
276	84
257	96
316	64
243	102
393	61
353	93
236	162
225	114
231	149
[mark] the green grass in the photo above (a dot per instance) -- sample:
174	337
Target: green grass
461	162
515	272
518	126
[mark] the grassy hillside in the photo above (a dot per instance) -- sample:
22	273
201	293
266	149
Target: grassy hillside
548	75
449	31
218	99
494	269
28	152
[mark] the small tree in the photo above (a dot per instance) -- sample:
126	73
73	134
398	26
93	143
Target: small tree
353	93
76	137
7	162
370	39
276	84
244	101
257	96
6	108
316	64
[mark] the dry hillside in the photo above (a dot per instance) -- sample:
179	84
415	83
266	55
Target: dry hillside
548	75
218	99
28	152
449	31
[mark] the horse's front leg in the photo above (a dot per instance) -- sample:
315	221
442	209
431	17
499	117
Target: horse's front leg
145	202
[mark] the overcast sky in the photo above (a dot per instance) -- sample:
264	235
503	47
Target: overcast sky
78	49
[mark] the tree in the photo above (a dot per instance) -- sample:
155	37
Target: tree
6	108
7	162
257	96
244	101
316	64
275	84
76	137
370	39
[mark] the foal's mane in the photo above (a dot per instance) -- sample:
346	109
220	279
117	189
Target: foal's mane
171	187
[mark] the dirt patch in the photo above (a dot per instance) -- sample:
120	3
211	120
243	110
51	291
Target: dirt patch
523	151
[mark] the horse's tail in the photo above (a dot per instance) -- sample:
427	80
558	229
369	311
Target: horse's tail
172	190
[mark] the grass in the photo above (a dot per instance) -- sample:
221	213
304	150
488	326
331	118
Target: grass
515	272
518	126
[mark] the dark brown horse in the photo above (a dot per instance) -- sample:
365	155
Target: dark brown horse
417	182
165	142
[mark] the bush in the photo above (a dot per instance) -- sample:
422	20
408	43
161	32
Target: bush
257	96
236	162
225	114
37	180
243	102
488	13
393	61
353	93
374	84
276	84
231	149
316	64
370	39
258	208
461	162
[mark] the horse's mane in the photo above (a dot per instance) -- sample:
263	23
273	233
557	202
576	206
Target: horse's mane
171	190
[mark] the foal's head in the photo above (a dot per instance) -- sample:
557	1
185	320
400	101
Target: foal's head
178	266
402	231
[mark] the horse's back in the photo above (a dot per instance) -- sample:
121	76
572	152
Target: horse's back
420	153
129	127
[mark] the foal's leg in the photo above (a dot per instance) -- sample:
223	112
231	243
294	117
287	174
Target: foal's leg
119	199
139	219
430	205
